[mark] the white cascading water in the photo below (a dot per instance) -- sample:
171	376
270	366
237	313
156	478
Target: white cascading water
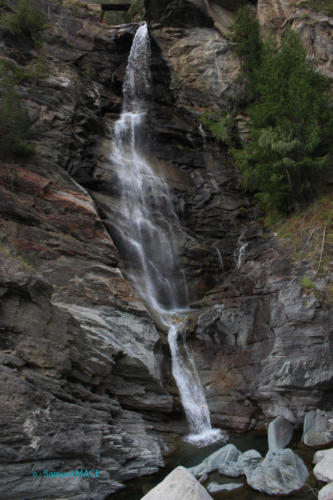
239	253
148	225
191	391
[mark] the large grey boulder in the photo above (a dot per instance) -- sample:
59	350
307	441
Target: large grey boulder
280	473
324	468
225	460
318	428
280	432
326	493
178	485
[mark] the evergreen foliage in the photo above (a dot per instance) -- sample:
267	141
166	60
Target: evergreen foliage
246	40
31	73
323	6
114	17
27	20
290	118
137	10
14	121
223	128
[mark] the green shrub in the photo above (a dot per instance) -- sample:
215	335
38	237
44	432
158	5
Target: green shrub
4	5
36	69
15	124
291	120
307	284
137	10
223	128
27	20
245	36
114	17
324	6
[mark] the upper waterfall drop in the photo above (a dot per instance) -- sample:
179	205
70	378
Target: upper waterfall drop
147	233
148	220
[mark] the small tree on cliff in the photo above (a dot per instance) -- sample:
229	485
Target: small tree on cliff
246	42
14	121
27	20
291	121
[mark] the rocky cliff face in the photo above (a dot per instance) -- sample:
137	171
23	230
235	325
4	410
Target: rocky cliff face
84	368
273	339
313	27
80	356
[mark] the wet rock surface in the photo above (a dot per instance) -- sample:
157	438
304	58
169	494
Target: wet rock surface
258	318
280	472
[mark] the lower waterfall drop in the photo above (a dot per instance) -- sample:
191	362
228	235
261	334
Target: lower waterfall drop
148	226
191	392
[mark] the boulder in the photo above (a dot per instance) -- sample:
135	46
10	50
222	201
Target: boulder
318	428
326	493
178	485
324	468
280	432
248	461
315	439
229	465
280	473
316	420
225	460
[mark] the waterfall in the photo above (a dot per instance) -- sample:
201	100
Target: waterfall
220	259
147	216
148	234
191	391
239	253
